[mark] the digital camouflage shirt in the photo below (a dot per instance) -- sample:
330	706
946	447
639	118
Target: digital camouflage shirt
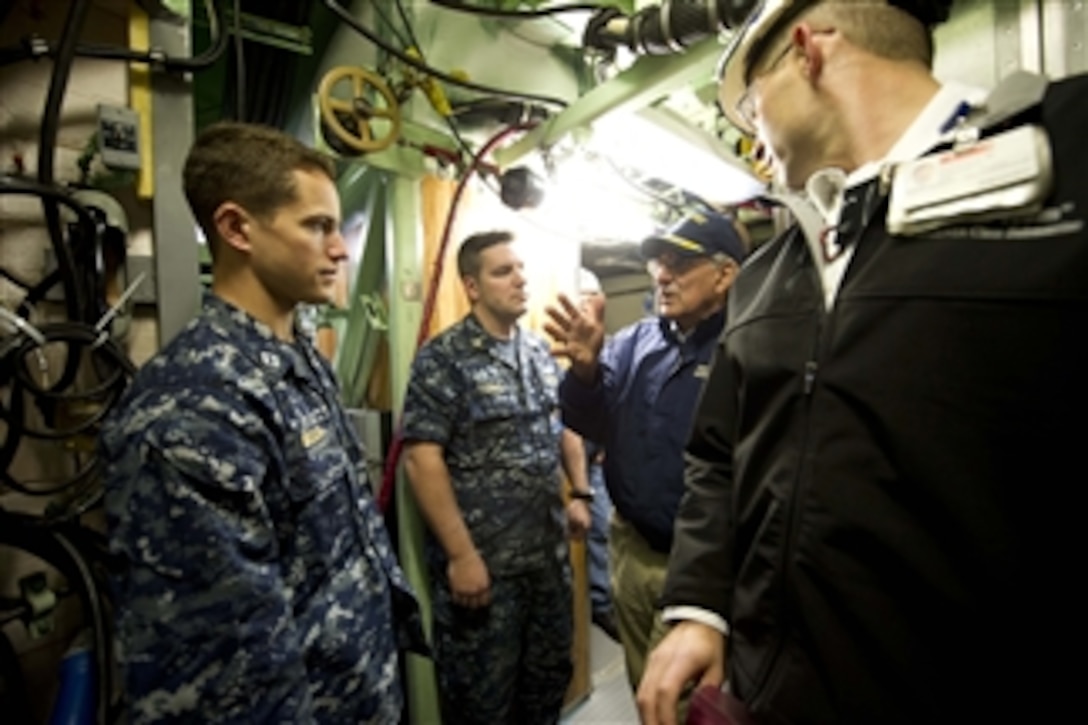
257	581
492	406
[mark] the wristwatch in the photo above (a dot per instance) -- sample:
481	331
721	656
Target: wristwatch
586	495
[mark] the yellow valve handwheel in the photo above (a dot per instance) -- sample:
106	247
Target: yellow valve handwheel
359	109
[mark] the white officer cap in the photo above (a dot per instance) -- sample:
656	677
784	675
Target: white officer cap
746	46
749	42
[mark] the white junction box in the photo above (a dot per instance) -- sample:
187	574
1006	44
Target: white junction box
119	136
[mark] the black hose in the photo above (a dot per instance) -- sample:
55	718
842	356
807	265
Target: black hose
350	20
92	603
33	48
239	65
88	473
12	436
47	148
13	692
408	28
15	279
393	29
55	545
74	302
108	359
19	186
66	272
77	337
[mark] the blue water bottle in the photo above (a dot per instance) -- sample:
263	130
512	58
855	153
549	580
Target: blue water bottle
75	698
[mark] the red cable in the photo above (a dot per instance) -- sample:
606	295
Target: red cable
389	472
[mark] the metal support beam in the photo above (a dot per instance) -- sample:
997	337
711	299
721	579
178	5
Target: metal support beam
174	237
407	159
362	190
293	38
1065	29
647	80
404	258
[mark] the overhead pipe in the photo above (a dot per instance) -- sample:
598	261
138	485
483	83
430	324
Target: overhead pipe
34	47
676	25
665	29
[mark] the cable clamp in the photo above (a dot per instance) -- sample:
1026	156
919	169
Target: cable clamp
103	324
37	46
22	326
41	602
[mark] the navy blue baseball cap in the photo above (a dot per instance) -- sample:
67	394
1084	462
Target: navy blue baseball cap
698	235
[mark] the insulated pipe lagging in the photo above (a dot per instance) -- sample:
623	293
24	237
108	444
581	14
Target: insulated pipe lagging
673	26
679	24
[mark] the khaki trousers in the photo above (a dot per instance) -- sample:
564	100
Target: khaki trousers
638	576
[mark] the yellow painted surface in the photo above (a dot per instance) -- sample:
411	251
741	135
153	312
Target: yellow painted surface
139	97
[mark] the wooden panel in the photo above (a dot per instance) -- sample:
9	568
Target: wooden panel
581	683
450	304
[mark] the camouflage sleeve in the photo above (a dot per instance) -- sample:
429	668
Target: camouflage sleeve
205	628
554	374
433	397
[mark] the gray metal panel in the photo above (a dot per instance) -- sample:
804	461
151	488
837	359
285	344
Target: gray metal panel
967	45
1031	36
1065	28
1008	55
404	260
984	41
174	238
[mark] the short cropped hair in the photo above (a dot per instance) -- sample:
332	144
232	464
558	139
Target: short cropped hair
248	164
468	256
877	27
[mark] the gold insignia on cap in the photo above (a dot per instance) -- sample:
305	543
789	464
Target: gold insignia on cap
685	243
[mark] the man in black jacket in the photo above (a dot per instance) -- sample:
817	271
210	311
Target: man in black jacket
876	516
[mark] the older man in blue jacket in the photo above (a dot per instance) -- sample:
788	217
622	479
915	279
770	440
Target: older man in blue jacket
635	395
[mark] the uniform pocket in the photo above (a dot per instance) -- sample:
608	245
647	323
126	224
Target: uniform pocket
315	461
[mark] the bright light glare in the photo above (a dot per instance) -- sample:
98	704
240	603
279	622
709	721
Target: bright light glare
590	202
665	147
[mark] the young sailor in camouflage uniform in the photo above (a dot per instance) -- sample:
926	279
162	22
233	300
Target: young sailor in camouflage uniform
257	582
483	455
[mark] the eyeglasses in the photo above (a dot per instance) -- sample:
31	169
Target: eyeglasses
675	265
746	105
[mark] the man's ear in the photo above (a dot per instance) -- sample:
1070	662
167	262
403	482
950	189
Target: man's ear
805	37
472	288
729	273
232	224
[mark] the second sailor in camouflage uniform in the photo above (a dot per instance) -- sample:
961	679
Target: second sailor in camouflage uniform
483	455
256	583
